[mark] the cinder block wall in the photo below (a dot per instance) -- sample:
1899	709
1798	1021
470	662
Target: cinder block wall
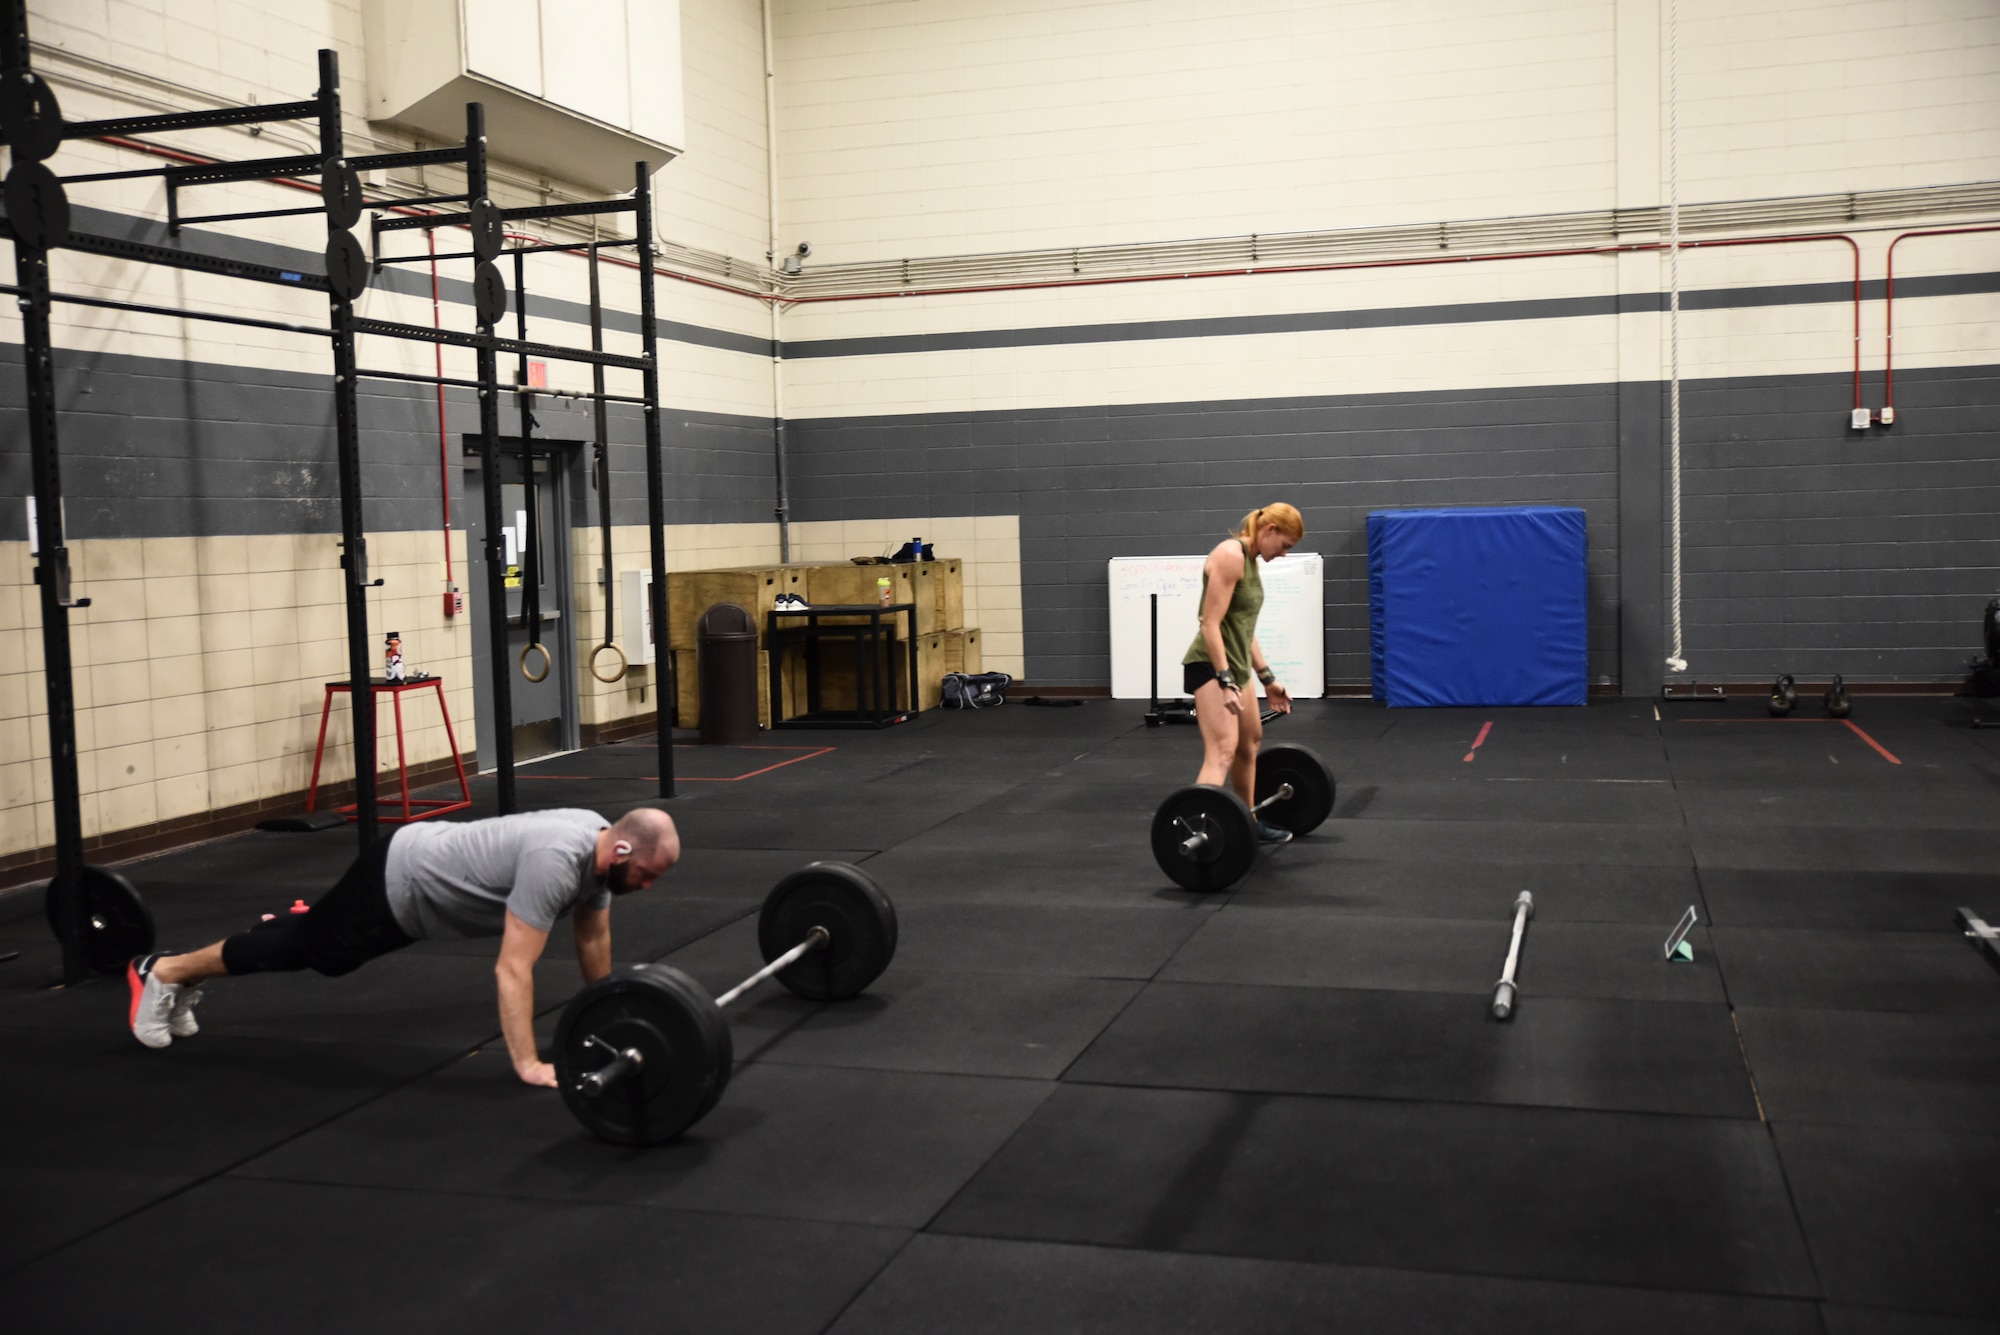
1142	418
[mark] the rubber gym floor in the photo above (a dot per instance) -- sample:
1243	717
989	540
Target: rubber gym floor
1081	1099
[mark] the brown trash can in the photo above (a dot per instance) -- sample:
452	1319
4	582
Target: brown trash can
726	640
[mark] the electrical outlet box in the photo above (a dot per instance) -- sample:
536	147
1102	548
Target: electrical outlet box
1861	419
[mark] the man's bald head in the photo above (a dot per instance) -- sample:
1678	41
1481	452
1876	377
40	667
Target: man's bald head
650	846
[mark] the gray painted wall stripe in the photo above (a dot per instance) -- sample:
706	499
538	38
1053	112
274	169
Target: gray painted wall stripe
1482	312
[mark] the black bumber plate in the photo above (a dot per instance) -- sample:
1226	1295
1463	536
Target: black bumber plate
487	233
346	266
678	1030
117	925
1312	787
1232	845
489	293
37	207
340	187
30	118
860	923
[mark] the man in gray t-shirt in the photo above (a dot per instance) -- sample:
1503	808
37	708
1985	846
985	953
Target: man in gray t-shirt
512	877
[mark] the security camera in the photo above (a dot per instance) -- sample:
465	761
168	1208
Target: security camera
805	249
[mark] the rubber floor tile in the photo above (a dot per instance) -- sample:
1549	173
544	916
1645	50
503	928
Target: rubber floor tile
1936	973
1872	1321
1529	1192
978	1286
1555	1052
1603	960
1487	798
793	1142
1882	901
1492	842
1563	892
1904	1220
235	1250
1871	1068
98	1126
951	1020
1836	848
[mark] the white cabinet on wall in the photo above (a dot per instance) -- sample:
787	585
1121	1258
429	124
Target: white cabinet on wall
577	90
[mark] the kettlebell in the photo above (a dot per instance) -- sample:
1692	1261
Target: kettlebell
1784	695
1837	703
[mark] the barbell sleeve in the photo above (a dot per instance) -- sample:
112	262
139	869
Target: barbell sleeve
815	939
1197	841
594	1083
1283	794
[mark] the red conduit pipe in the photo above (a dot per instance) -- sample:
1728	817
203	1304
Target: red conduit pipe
1214	273
1889	308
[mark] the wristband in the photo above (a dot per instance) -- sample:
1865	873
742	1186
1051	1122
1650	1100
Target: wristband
1225	680
1268	677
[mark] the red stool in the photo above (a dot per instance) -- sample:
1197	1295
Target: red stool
414	808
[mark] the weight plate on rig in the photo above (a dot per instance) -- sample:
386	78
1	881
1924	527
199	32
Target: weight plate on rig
340	187
860	924
30	118
117	925
489	293
346	266
682	1040
37	207
487	238
1224	857
1312	787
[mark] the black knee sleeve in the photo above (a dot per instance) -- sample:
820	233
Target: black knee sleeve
277	946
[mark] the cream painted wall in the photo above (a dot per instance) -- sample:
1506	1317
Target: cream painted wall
940	127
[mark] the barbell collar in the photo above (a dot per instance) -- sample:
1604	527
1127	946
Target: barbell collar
816	939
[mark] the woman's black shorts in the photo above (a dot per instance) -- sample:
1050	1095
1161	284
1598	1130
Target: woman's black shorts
1194	676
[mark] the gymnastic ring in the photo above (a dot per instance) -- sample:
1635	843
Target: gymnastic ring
547	662
622	663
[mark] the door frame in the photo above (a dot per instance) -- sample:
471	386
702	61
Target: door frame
564	458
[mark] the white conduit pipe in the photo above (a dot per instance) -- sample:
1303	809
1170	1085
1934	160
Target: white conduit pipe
1675	663
784	507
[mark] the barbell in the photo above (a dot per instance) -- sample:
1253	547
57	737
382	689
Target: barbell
644	1053
1205	838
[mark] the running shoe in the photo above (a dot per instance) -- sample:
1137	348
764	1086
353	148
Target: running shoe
1268	833
180	1020
152	1003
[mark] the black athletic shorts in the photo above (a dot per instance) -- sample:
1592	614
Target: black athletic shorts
1194	676
344	929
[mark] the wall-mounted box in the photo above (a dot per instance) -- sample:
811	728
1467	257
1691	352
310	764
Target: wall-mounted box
576	89
637	596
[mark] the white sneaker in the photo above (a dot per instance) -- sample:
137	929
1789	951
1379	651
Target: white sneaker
152	1003
180	1020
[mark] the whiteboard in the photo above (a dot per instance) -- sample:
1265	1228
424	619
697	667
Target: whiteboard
1291	629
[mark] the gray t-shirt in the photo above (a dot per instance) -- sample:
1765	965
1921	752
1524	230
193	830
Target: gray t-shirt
448	881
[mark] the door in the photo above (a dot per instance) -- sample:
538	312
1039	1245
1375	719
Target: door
536	549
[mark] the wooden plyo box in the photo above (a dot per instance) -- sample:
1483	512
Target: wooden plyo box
752	588
950	593
850	584
962	652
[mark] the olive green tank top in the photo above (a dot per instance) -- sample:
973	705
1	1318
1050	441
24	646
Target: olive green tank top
1239	623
